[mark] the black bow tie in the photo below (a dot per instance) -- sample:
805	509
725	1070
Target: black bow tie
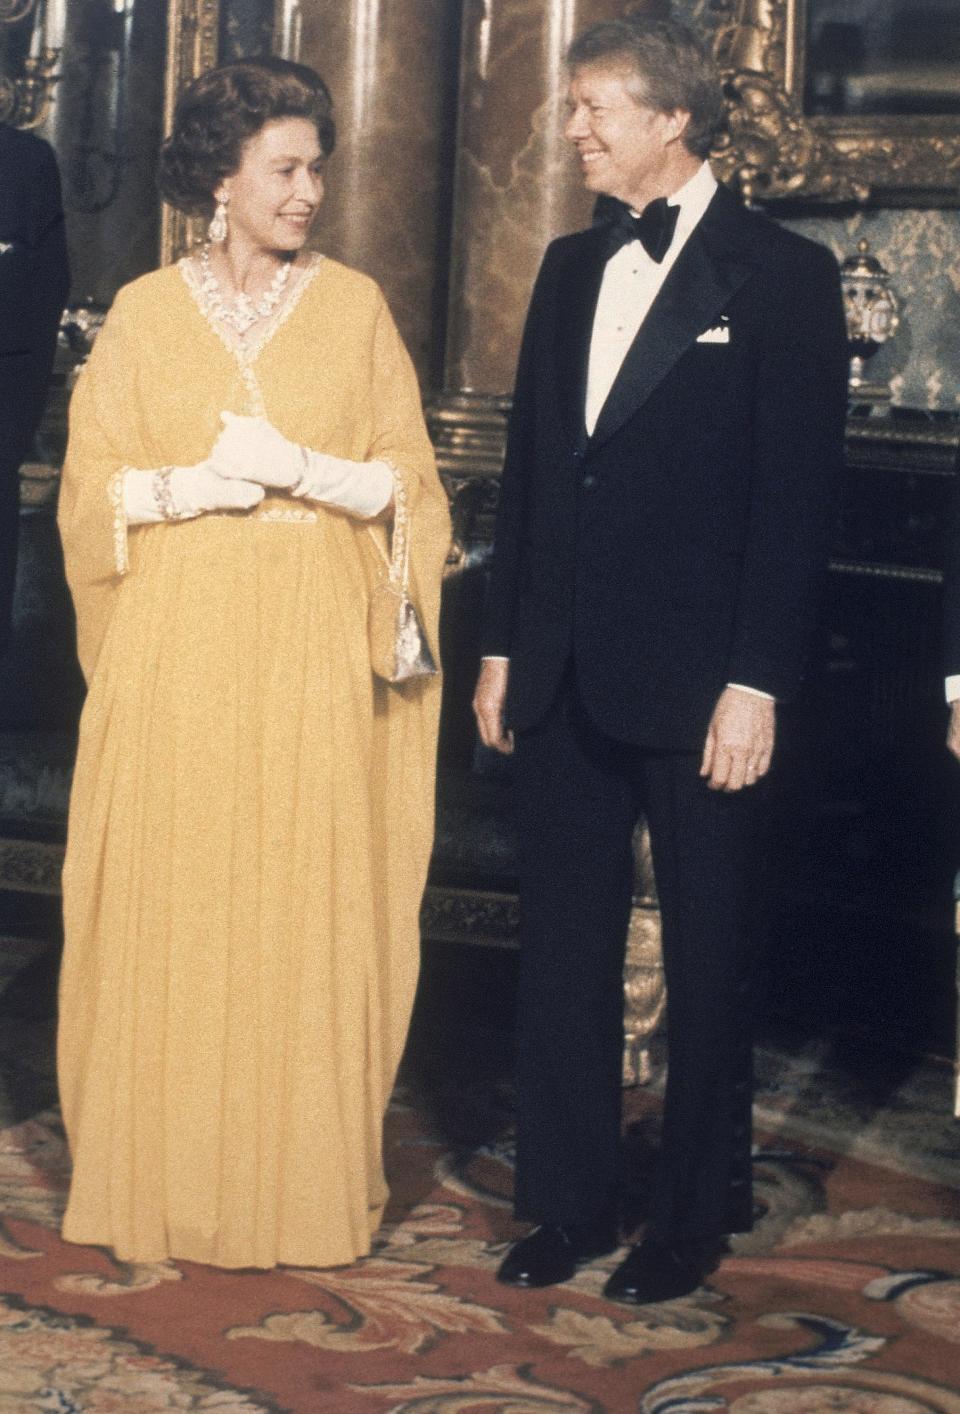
654	229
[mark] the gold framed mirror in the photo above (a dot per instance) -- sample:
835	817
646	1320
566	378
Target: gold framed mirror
842	100
193	31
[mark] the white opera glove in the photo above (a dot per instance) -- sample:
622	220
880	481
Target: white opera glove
253	448
361	489
183	492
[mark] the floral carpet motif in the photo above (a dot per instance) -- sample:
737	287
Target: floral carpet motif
845	1297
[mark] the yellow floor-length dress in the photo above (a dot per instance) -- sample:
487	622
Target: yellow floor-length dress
252	811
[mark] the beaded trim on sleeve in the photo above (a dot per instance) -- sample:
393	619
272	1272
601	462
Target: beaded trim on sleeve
121	558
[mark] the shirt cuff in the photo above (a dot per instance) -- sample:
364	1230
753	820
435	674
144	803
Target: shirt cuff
952	686
502	658
767	697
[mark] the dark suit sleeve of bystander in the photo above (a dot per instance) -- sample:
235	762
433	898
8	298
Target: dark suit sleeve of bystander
50	274
799	419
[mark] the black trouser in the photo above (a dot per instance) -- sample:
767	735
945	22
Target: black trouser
579	797
9	514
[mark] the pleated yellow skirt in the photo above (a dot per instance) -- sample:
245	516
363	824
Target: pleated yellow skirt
224	1012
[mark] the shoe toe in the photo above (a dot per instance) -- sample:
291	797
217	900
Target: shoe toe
544	1258
652	1273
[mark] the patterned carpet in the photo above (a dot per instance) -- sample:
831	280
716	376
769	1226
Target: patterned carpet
845	1298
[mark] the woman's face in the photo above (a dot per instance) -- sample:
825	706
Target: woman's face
274	194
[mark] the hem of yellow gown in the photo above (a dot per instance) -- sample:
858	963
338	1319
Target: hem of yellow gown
340	1256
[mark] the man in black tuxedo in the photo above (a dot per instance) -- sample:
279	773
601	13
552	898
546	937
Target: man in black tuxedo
666	508
34	283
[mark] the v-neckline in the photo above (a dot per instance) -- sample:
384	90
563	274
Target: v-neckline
247	354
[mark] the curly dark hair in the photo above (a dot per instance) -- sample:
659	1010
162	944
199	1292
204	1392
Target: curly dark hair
225	107
670	67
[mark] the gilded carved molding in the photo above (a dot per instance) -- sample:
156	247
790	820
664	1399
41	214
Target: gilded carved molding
644	993
193	28
920	444
774	151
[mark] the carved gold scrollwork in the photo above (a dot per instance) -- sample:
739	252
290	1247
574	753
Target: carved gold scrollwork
26	97
192	46
774	151
770	150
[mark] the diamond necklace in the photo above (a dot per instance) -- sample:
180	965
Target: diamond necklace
241	312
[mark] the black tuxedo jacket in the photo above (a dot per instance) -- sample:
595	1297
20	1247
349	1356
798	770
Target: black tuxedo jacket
681	546
34	284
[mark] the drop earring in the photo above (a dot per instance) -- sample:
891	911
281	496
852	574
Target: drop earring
217	230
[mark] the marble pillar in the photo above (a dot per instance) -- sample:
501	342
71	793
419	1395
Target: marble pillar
516	185
392	71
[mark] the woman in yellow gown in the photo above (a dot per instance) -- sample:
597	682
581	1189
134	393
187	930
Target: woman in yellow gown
252	811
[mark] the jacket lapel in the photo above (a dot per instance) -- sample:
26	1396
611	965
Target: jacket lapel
580	287
708	272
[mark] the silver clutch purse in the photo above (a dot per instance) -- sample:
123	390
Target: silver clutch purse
399	649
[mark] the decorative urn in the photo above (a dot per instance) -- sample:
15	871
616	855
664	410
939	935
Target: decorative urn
872	317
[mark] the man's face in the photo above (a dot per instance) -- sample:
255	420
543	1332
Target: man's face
625	146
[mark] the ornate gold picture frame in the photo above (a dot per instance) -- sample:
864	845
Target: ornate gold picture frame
193	28
776	151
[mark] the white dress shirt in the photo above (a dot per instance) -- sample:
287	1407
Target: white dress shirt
953	687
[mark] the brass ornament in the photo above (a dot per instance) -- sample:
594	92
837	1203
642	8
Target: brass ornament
644	992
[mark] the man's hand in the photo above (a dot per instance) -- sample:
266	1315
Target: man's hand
953	731
488	704
739	740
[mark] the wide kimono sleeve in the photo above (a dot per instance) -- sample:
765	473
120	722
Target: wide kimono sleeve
105	436
406	715
400	439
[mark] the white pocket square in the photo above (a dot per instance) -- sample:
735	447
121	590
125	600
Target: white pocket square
5	246
719	334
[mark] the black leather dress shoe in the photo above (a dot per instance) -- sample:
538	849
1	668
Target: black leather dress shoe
654	1271
553	1251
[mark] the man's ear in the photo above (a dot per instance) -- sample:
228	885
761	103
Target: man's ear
677	123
